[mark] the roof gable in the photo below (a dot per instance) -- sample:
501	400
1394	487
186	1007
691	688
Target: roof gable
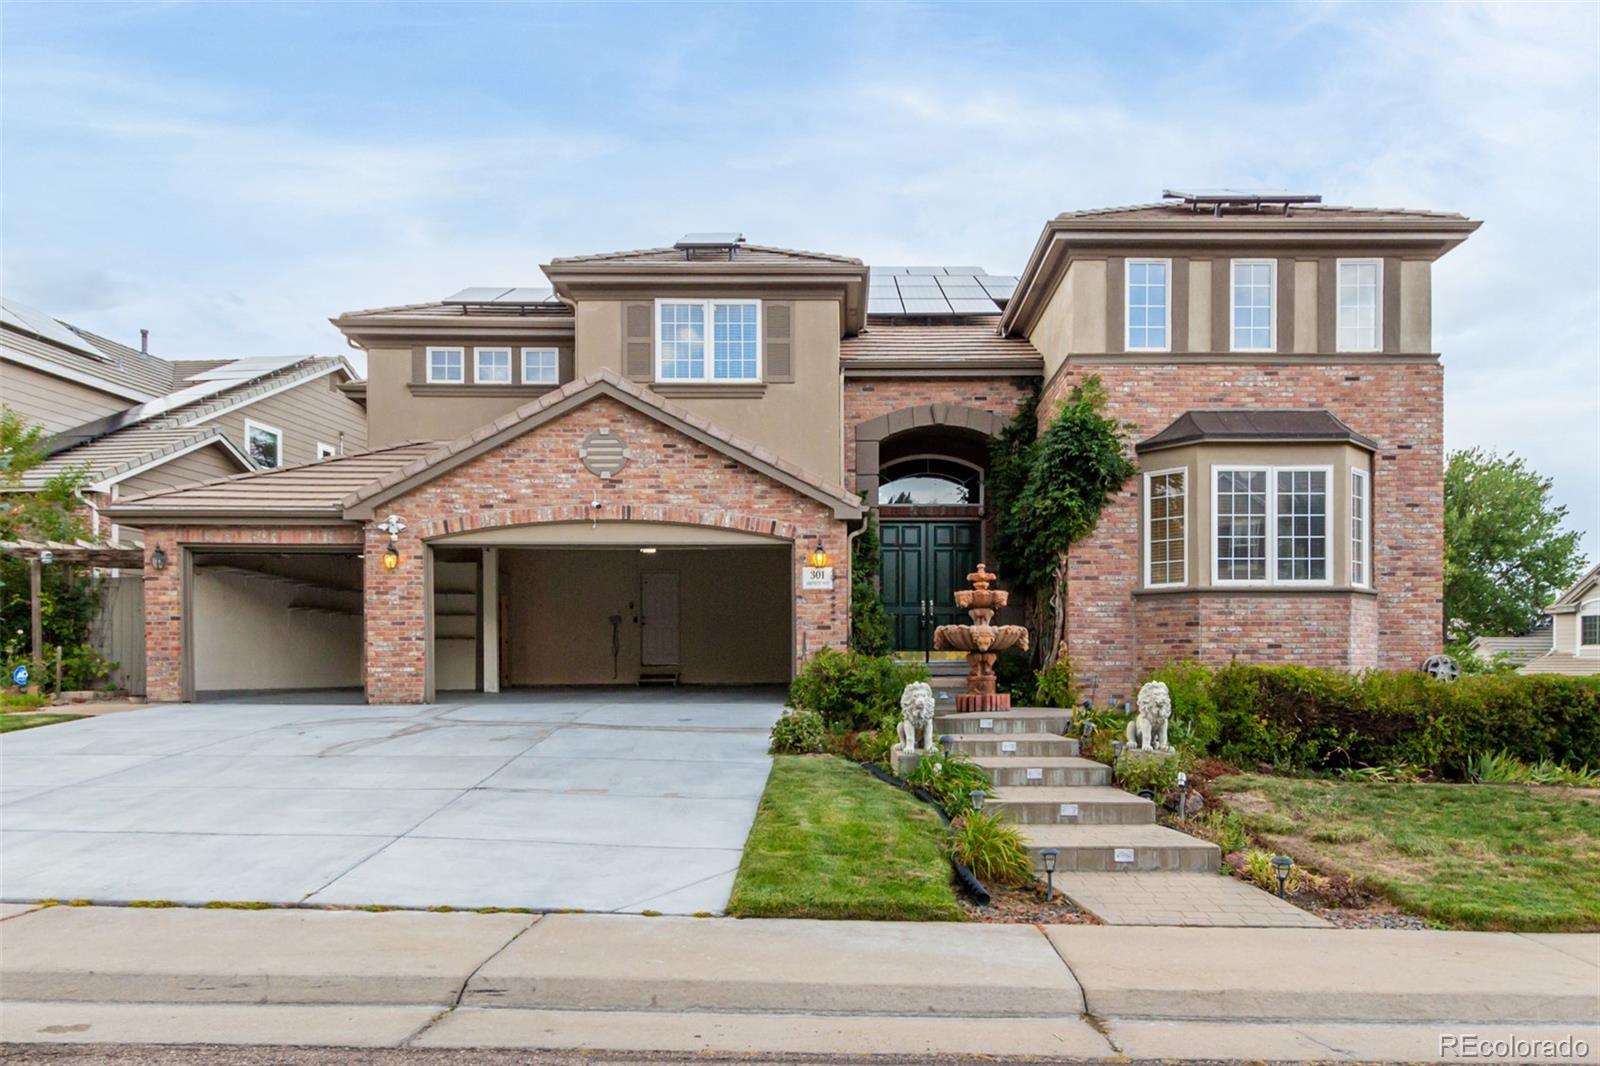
603	383
1573	597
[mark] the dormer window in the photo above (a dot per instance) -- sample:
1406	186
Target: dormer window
734	340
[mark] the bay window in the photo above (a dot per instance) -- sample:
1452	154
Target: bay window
1166	523
1359	522
1270	525
684	328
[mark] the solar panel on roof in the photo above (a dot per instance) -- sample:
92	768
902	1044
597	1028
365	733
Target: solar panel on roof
40	324
709	240
915	306
477	294
966	305
884	305
524	296
887	270
924	270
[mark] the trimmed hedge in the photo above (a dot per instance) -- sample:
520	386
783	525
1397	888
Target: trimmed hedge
1297	718
853	692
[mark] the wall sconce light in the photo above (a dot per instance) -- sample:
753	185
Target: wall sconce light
976	796
819	555
1048	855
392	525
1282	865
158	558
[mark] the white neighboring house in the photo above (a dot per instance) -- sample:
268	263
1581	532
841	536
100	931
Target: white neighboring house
1574	631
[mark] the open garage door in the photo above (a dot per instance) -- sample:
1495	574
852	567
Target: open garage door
276	622
615	603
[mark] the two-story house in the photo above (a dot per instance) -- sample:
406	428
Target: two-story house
655	468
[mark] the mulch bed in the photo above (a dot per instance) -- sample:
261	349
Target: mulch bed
1026	906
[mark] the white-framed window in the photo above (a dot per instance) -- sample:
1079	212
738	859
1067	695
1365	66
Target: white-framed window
1360	528
1255	313
1149	299
1589	630
326	451
1360	305
1166	524
446	366
684	327
541	366
1270	525
264	443
491	366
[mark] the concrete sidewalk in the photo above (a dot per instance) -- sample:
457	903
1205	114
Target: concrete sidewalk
625	983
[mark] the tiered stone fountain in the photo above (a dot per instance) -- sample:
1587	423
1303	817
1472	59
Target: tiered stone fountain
981	641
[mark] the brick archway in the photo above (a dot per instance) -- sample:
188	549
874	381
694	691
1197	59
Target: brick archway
474	521
871	433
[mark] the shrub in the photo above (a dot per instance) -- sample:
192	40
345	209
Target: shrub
1194	712
83	667
1258	866
1056	685
951	777
993	849
798	733
1014	673
1298	718
869	619
1135	772
852	691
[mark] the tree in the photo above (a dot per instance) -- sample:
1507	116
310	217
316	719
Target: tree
1505	554
1051	491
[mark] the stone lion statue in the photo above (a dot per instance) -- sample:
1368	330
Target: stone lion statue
1148	731
916	716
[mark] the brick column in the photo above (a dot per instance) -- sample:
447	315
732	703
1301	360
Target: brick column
396	621
163	618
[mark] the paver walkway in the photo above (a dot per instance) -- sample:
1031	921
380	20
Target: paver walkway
1181	899
595	799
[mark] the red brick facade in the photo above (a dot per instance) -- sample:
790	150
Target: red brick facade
1400	406
539	477
164	601
869	398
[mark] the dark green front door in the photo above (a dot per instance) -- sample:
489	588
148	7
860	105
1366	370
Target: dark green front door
924	563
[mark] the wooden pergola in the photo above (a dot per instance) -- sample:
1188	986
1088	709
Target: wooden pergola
42	553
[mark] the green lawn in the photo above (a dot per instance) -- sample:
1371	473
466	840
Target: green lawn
832	841
10	721
1469	856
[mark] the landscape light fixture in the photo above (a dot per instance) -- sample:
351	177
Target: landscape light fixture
1183	794
47	557
158	558
819	555
1116	750
1281	865
1048	855
947	742
976	796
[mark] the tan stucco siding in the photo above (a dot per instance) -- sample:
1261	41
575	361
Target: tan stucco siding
54	402
246	637
1074	318
798	420
1416	305
308	413
734	610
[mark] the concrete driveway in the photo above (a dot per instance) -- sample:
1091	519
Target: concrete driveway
609	800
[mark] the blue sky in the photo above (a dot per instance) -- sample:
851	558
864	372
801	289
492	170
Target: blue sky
231	175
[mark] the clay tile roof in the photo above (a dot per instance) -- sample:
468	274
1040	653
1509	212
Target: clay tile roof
602	382
1254	425
316	488
936	344
1177	212
747	253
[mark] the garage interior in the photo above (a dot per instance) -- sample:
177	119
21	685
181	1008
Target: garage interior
274	621
611	605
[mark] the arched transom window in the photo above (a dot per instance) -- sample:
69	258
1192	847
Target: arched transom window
930	481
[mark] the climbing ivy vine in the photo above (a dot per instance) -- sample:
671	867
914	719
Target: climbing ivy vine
1048	490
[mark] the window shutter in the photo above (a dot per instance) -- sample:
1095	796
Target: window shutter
565	368
638	351
778	342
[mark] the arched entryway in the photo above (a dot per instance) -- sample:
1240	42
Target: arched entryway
924	470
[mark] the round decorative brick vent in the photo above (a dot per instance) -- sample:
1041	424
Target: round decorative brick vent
603	453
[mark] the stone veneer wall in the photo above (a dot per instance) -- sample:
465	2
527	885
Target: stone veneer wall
163	589
538	477
1399	405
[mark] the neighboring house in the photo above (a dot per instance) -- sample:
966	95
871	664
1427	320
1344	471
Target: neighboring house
1516	651
137	423
1574	631
656	470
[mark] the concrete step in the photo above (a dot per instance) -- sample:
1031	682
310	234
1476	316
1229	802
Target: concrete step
1098	848
1053	771
1016	720
1092	805
1020	744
